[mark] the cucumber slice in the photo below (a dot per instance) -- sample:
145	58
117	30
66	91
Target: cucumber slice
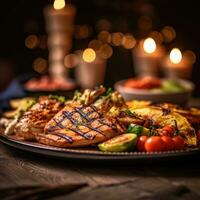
119	143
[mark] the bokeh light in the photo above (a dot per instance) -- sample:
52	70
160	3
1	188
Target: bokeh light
190	56
82	31
104	36
40	65
175	56
116	38
157	36
105	51
32	41
89	55
103	24
149	45
59	4
70	60
95	44
128	41
168	33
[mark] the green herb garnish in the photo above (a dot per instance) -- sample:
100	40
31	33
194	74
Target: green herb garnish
61	99
130	113
109	91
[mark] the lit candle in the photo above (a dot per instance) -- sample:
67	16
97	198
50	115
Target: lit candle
147	56
59	25
90	71
177	65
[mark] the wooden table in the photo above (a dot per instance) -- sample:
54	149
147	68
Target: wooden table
132	181
173	180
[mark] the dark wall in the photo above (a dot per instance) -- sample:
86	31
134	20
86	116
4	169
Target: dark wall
20	18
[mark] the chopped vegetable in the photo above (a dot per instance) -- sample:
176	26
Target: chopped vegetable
109	91
119	143
175	119
137	129
58	98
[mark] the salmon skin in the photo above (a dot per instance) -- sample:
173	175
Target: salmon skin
34	120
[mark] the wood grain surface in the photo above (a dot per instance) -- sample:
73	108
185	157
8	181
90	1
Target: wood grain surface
141	181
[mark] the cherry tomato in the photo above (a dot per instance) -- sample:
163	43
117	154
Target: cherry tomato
178	142
169	144
141	143
154	144
164	133
168	130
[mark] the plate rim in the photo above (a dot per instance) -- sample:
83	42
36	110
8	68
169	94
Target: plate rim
93	155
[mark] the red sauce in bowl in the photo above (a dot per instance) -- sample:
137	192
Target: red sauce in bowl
143	83
45	83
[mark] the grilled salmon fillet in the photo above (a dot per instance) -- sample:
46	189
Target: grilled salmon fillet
34	120
79	125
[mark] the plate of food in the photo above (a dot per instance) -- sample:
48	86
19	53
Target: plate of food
176	91
45	84
100	125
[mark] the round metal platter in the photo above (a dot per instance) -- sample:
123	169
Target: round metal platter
93	154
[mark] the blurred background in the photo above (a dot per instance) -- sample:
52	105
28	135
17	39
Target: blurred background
23	36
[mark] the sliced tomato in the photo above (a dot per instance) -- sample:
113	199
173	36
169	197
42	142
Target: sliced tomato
141	143
179	142
169	144
154	144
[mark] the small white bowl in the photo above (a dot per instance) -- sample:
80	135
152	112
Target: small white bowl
180	98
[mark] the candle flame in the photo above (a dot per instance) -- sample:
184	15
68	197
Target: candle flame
59	4
149	45
175	56
89	55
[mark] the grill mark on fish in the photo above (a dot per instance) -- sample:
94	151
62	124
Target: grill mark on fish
58	123
84	135
107	124
94	110
75	122
69	116
79	110
64	136
94	129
